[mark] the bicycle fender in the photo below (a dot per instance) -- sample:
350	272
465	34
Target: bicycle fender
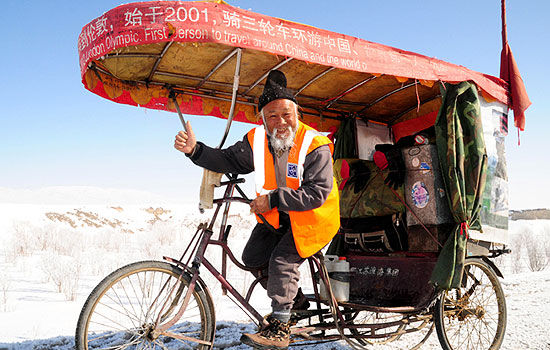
490	263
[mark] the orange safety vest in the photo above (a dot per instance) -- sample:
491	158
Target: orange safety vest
312	229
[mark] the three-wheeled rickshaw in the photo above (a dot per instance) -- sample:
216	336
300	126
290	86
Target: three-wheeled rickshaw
417	236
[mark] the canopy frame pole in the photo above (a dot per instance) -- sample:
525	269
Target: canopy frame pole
132	54
342	94
248	103
159	58
211	93
221	63
280	64
313	80
182	119
236	80
388	95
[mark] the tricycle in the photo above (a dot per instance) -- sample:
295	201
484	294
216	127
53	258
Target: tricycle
418	259
166	304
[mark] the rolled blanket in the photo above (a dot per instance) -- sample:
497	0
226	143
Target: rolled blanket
210	179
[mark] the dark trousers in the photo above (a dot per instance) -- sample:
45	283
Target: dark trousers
276	255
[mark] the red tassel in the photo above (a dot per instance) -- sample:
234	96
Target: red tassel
464	229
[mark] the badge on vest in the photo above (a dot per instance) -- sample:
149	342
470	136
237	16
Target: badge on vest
292	170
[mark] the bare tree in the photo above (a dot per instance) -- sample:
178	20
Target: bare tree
536	255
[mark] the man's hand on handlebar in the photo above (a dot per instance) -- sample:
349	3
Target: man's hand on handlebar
260	205
185	141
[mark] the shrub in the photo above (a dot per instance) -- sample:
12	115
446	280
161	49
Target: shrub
63	272
22	241
537	258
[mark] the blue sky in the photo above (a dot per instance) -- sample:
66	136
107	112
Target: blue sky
55	133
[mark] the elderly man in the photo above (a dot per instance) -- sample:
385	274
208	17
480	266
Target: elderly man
296	193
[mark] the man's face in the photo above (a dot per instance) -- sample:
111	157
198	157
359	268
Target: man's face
279	115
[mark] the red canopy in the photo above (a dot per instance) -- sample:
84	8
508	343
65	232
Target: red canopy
136	30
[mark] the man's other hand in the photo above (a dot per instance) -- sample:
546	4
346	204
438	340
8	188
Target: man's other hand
260	205
185	141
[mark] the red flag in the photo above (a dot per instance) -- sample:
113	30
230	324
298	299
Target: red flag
509	72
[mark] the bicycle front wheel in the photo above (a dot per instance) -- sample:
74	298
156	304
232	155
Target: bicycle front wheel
474	315
124	310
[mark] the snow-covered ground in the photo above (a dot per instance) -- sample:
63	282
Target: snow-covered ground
54	252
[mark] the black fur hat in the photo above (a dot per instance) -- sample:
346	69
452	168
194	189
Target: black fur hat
275	88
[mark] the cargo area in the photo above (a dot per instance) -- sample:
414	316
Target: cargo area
395	206
414	215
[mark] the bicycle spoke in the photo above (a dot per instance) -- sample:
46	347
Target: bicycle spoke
136	295
122	346
142	296
167	298
155	304
128	298
120	313
105	335
162	346
124	329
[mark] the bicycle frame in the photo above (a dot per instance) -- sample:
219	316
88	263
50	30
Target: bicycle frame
196	258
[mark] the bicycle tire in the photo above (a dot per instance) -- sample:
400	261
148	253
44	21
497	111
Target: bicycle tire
473	316
122	308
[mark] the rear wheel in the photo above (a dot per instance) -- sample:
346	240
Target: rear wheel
472	317
122	311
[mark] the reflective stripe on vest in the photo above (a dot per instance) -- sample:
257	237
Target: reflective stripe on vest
304	150
259	150
259	157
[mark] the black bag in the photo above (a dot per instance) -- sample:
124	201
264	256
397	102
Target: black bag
380	234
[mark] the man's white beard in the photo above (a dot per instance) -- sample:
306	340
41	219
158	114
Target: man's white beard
282	144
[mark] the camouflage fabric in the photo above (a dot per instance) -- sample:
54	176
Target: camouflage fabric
362	190
463	161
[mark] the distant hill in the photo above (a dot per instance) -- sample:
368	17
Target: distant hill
530	214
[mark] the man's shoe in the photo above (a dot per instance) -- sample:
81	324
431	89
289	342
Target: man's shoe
275	336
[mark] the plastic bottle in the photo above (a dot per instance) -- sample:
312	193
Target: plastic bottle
338	270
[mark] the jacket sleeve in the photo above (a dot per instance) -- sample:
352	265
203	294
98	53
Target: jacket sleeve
235	159
316	184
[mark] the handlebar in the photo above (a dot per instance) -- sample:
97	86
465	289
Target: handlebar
234	180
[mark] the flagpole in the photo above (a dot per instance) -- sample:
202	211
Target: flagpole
503	15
